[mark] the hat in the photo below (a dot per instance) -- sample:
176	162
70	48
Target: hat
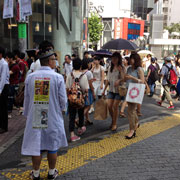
153	59
168	58
46	54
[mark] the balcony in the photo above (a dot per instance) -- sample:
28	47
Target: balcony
165	4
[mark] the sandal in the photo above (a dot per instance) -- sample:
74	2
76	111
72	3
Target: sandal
139	114
122	115
114	128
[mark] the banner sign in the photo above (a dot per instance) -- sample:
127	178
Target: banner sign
8	9
25	9
22	31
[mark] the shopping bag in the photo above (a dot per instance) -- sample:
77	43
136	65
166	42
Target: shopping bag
147	89
135	93
101	110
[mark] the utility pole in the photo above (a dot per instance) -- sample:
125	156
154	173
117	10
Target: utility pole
22	31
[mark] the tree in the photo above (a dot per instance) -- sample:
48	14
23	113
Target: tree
173	28
95	27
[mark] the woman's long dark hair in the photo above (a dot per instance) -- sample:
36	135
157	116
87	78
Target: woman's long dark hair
137	60
116	55
176	62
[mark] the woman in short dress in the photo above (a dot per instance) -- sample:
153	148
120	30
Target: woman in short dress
89	101
98	77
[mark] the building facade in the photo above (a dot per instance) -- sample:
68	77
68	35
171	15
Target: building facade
117	20
162	16
58	21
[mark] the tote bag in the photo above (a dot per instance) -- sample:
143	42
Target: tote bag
101	110
135	93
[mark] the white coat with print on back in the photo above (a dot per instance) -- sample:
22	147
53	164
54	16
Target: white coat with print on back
53	137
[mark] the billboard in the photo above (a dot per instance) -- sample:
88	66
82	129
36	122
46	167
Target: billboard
128	28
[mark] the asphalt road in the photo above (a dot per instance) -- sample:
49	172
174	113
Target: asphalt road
11	157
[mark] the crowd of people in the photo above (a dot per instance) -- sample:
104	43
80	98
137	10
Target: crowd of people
47	94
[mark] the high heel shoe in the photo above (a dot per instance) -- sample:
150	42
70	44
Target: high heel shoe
130	137
137	126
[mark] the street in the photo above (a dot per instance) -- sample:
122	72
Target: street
101	154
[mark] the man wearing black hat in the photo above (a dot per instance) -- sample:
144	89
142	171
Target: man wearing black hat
45	99
165	71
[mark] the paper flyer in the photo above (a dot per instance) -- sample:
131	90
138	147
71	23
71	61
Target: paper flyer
41	102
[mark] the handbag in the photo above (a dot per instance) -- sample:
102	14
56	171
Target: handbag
19	99
101	110
135	93
122	91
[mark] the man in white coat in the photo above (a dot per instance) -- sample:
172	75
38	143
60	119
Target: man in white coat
45	99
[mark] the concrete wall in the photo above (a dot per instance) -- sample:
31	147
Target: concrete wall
173	12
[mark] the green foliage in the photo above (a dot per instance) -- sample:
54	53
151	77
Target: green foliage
173	28
95	27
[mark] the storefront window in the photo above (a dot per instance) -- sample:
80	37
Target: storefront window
41	22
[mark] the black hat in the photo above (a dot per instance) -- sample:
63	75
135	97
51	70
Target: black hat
46	54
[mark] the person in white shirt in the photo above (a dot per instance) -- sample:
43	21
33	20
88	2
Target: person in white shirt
4	88
67	66
36	65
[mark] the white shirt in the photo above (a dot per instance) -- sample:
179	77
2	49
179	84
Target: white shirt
68	68
83	80
4	74
35	65
97	73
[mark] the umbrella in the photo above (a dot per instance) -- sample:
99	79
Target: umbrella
91	52
120	44
145	53
103	53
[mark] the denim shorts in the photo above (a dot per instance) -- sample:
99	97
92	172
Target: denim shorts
115	96
49	152
90	99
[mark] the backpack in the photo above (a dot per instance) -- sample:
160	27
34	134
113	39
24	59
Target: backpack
154	76
75	94
171	77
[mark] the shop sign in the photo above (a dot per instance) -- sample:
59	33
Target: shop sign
22	31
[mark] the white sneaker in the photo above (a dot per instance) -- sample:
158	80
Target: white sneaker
91	110
9	116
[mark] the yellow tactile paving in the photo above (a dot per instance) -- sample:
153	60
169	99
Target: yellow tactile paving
81	155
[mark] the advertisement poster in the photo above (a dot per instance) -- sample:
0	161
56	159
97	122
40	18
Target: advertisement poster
8	9
41	102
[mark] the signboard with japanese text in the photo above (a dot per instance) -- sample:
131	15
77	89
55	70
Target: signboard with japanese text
22	31
8	9
41	102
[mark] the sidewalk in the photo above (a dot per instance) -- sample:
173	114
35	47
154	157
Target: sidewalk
15	127
153	155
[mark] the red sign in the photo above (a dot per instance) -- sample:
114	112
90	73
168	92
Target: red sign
121	29
117	28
